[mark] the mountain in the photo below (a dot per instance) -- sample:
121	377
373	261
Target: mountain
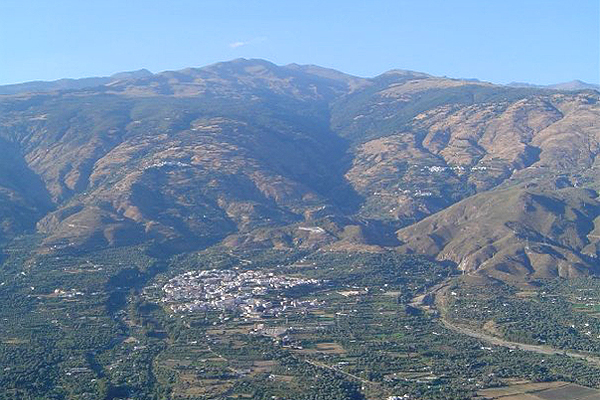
248	154
573	85
511	234
70	84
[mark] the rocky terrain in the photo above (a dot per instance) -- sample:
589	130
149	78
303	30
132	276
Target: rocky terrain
497	179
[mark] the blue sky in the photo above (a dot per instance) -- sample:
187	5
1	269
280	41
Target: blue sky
536	41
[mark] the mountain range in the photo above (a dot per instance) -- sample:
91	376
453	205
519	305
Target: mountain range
501	180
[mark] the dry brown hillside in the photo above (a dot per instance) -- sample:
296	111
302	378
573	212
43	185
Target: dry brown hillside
251	154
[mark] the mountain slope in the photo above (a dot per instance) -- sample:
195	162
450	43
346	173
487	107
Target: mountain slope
70	84
573	85
247	153
514	233
123	168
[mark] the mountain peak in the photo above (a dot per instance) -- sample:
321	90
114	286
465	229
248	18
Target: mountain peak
575	84
405	73
140	73
240	64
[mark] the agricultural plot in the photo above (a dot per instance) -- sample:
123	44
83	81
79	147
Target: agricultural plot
557	313
362	339
540	391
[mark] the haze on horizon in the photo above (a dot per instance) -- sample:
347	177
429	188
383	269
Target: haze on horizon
538	42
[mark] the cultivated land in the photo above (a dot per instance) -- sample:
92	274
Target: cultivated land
364	337
247	230
540	391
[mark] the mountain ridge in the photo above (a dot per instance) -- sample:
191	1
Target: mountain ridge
575	84
90	82
250	154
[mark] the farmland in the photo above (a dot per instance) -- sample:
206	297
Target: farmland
540	391
105	331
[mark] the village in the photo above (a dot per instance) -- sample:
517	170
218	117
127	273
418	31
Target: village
255	294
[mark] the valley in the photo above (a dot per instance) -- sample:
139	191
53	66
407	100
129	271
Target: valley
249	230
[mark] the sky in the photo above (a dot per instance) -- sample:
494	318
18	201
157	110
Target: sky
501	41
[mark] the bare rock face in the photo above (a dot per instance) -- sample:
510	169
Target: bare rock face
500	180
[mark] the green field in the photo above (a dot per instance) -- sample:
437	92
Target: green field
91	326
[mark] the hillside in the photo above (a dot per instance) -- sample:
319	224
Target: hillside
249	154
515	233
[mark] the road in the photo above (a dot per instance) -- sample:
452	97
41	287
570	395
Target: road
339	371
519	346
438	292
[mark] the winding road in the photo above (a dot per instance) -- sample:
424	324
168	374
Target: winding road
518	346
437	293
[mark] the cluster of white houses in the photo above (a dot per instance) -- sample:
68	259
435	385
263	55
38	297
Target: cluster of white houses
254	294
